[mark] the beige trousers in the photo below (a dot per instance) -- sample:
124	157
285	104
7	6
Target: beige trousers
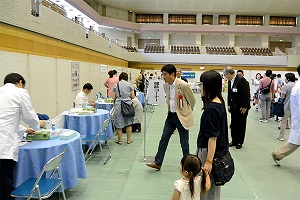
285	150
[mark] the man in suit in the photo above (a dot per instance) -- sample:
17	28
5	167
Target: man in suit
181	102
238	105
178	75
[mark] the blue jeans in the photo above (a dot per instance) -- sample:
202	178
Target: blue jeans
172	122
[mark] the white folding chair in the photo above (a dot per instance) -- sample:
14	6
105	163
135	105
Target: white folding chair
100	138
42	188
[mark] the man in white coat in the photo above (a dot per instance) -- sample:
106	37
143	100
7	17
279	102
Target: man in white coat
294	139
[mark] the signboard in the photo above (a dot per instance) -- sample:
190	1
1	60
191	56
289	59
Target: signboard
188	75
75	76
156	93
103	68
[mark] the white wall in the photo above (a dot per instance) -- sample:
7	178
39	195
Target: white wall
116	13
118	34
283	38
214	40
179	39
251	41
49	79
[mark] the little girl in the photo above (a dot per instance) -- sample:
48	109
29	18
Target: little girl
192	184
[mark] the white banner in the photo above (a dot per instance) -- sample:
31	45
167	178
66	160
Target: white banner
156	93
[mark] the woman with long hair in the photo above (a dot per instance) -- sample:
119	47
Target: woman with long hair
212	139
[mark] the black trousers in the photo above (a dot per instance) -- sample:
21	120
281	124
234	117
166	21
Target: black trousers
6	177
238	125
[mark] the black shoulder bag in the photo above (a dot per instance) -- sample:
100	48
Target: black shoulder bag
127	109
266	90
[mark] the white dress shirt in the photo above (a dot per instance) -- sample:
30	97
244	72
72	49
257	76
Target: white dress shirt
172	97
232	81
81	98
15	103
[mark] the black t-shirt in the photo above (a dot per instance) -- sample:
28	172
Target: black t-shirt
214	124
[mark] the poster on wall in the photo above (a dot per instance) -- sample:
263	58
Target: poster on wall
103	68
75	76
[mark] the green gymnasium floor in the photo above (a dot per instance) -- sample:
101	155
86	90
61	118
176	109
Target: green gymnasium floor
124	177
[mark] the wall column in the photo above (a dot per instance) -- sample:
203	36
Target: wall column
166	18
198	40
231	41
199	19
232	19
166	41
215	19
267	20
265	41
297	41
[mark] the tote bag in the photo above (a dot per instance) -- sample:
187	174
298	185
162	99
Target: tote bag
222	169
127	108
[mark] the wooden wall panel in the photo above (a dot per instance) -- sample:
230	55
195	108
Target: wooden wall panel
18	40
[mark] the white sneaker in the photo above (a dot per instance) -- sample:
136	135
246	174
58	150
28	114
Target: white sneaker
264	121
279	138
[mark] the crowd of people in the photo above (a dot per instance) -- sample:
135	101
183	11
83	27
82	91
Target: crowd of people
212	142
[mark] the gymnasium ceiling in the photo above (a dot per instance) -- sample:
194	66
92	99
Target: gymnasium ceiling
240	7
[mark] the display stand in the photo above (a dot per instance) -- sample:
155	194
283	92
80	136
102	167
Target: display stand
156	96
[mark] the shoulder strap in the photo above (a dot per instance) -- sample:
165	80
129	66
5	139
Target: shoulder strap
270	83
119	90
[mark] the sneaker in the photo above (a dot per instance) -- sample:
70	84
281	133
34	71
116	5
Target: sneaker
276	160
261	119
264	121
280	138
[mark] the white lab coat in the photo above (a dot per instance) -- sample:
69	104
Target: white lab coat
294	137
15	103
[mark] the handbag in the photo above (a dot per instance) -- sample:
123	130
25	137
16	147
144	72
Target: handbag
222	169
278	109
267	89
127	108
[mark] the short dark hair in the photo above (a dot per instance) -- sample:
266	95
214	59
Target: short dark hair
88	86
123	76
298	70
110	74
240	71
14	78
290	77
114	71
269	73
169	68
278	75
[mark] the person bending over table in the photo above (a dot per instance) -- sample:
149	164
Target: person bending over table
82	96
15	103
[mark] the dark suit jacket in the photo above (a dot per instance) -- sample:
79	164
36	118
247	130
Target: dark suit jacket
239	93
184	79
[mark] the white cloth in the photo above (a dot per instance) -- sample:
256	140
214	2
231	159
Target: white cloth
232	81
172	97
81	98
138	109
15	103
183	187
294	137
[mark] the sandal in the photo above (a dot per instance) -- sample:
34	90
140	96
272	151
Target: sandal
129	141
119	142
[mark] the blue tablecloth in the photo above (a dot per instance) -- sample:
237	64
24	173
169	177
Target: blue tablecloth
88	124
141	97
34	155
104	106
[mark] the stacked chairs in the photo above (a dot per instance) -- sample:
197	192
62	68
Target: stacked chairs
154	48
185	50
220	50
256	51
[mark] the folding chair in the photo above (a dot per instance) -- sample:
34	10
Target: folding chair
100	138
42	188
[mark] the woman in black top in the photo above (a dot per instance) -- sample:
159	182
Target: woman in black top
212	140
